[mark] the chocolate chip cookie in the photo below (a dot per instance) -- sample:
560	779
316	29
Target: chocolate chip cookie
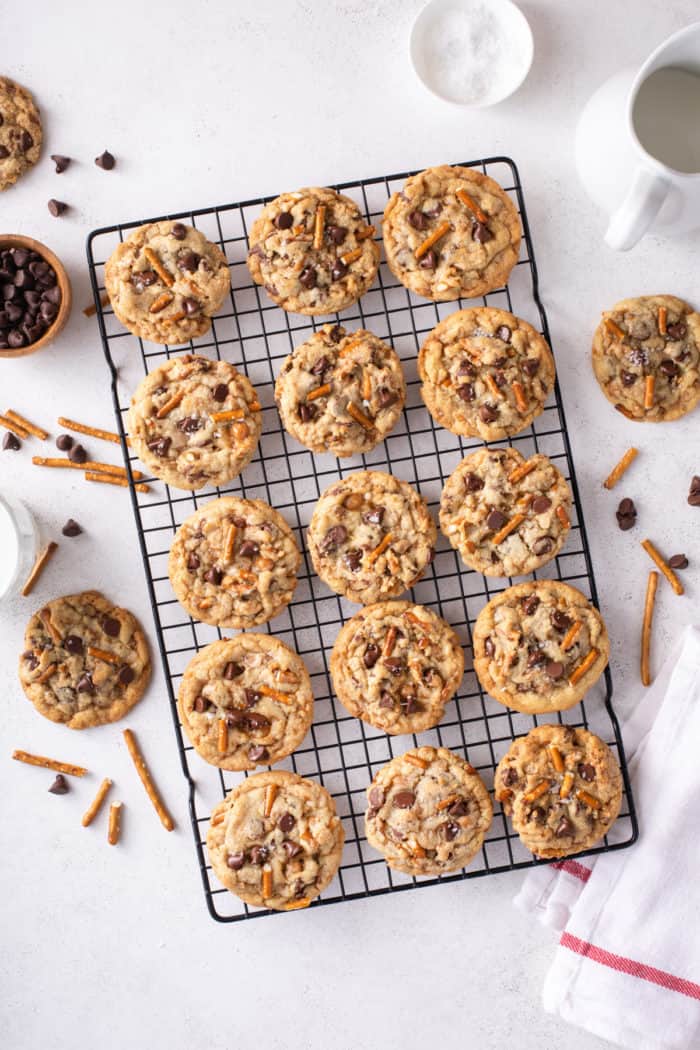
396	665
245	701
85	662
646	357
371	536
276	840
451	232
539	646
313	251
505	515
485	373
195	422
429	811
166	281
20	132
562	788
233	563
341	392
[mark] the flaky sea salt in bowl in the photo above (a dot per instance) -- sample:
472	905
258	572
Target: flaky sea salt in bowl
471	52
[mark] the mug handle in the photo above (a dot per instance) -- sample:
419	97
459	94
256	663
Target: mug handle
638	210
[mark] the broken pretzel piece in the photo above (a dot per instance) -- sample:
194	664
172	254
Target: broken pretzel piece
620	468
351	257
114	479
664	566
510	526
649	383
16	429
522	471
539	789
270	796
49	763
319	223
614	328
115	817
359	416
519	395
472	206
170	404
319	391
96	804
380	548
38	567
163	300
432	239
585	665
165	276
416	760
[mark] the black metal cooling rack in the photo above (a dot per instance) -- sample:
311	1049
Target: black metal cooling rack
342	752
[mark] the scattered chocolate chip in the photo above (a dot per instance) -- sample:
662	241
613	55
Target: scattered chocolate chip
73	643
236	719
214	576
77	454
694	493
57	207
371	655
564	827
489	647
338	271
71	528
59	786
496	520
60	162
530	604
472	482
201	704
678	561
403	799
10	442
509	776
626	514
220	392
284	220
336	234
560	621
126	675
31	659
466	392
64	442
86	684
481	233
235	861
554	669
258	753
160	447
178	231
586	771
541	504
248	549
111	626
543	545
286	822
677	330
232	670
307	277
105	161
336	535
320	366
487	414
451	830
530	366
429	260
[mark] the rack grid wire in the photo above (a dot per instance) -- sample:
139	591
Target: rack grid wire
340	751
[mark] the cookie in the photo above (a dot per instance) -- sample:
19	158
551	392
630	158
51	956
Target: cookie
85	662
562	788
506	515
341	392
276	840
313	251
539	646
429	811
485	373
20	132
451	232
166	281
646	357
195	422
396	665
371	536
233	563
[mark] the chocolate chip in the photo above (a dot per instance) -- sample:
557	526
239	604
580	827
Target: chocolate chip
560	621
64	442
386	397
190	305
394	664
564	827
320	366
192	562
487	414
292	849
472	482
336	535
336	333
10	442
187	261
111	626
669	368
481	233
403	799
628	378
535	657
71	528
4	152
353	560
541	504
248	549
418	220
73	643
338	271
251	697
236	719
57	207
307	277
626	514
59	786
496	520
220	392
694	493
586	771
189	425
232	670
306	412
201	704
77	454
543	545
336	234
677	330
530	604
160	446
214	576
458	808
286	822
429	260
126	675
284	220
503	332
257	722
235	861
143	279
466	368
530	366
678	561
554	669
371	655
509	776
31	659
376	797
409	704
85	684
466	392
375	516
386	700
178	231
451	830
258	753
105	161
489	647
25	141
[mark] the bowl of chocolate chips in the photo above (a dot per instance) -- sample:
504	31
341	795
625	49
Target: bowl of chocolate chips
35	295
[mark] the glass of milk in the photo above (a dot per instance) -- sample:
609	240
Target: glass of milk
19	545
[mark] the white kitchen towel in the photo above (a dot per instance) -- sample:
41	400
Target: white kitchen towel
628	962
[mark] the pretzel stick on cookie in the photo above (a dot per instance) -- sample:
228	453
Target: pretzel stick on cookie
646	626
620	468
96	804
147	780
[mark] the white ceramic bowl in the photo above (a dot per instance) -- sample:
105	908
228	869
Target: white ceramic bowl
471	52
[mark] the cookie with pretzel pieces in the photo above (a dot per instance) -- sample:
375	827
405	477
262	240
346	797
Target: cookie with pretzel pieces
562	788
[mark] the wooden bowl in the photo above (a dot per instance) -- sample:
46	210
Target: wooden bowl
12	240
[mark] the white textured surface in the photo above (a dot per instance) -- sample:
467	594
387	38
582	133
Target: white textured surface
209	102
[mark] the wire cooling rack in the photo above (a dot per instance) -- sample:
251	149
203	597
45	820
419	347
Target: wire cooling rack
342	752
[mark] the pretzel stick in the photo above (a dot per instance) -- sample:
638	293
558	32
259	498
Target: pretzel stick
49	763
471	205
303	902
102	654
520	399
8	424
114	479
270	796
217	819
267	883
665	568
38	568
45	617
492	385
649	392
563	516
115	817
585	665
663	314
624	411
320	391
351	257
589	800
89	464
225	417
319	221
170	404
571	635
350	346
47	673
91	310
274	694
380	548
32	428
510	526
222	737
147	781
390	641
166	277
620	468
96	804
566	785
362	235
614	328
556	757
447	802
522	471
537	791
434	237
254	406
652	582
163	300
359	416
96	432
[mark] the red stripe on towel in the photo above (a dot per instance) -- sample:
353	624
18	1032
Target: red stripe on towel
572	867
629	966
